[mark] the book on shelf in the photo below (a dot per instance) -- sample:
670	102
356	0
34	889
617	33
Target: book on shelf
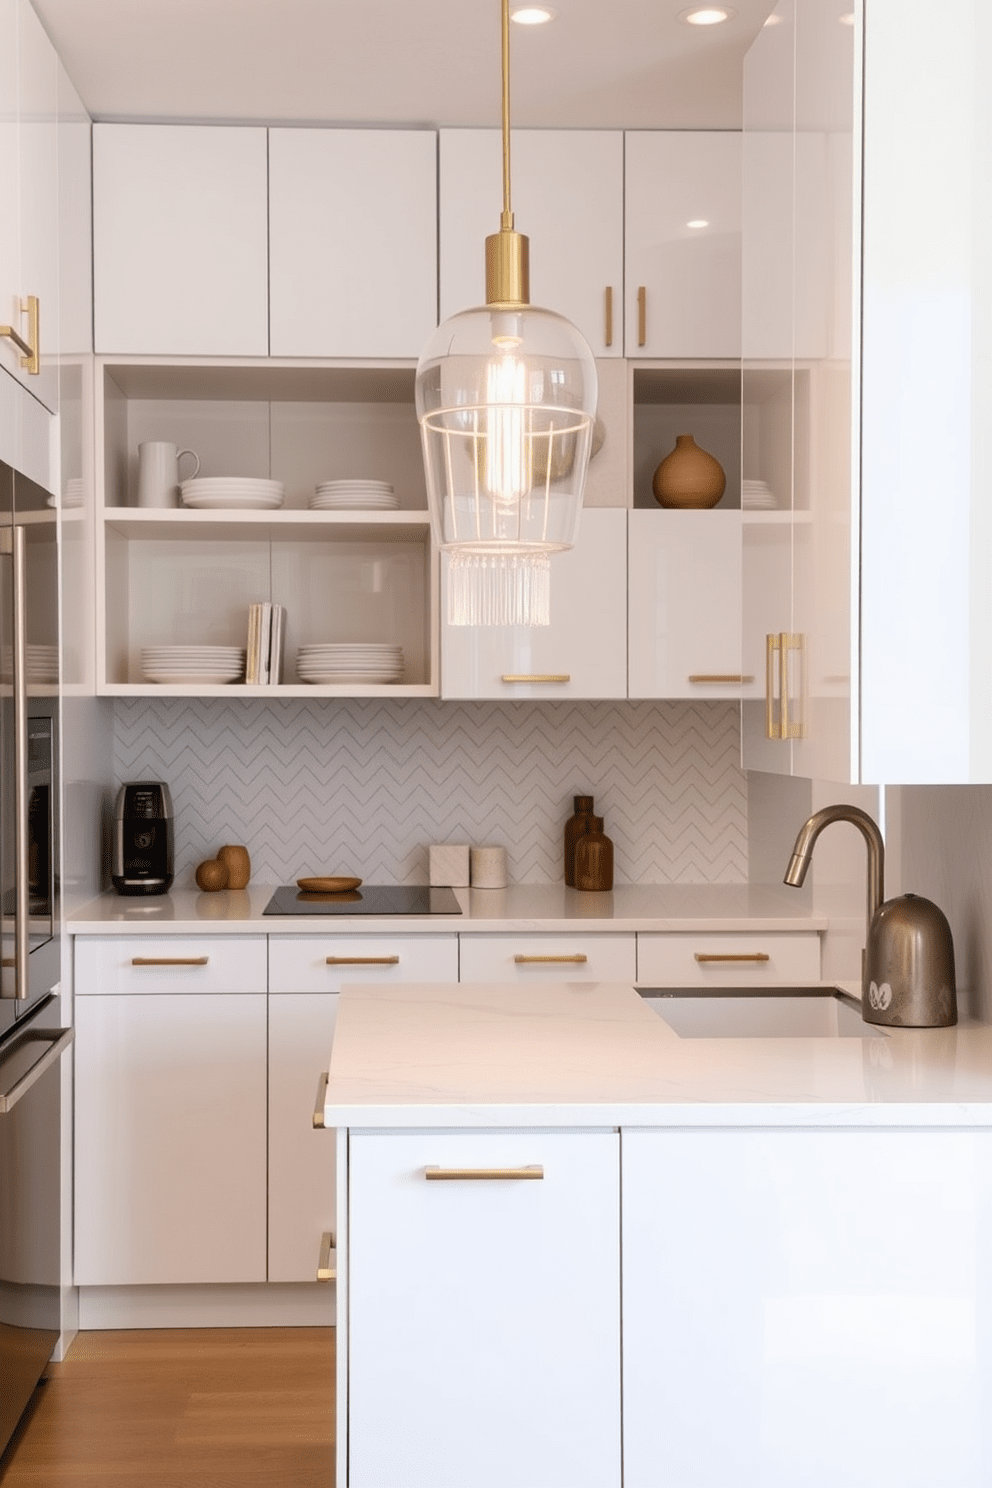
277	641
266	632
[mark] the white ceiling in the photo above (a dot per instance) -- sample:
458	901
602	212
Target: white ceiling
601	63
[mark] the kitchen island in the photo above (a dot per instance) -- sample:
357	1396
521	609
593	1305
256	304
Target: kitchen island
576	1249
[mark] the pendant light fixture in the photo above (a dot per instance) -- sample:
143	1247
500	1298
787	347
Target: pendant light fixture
506	400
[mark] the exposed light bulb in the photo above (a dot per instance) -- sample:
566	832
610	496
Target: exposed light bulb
508	473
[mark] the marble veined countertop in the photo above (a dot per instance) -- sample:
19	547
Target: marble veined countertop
595	1054
522	907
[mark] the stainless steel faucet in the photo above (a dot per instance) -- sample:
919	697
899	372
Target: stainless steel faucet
808	833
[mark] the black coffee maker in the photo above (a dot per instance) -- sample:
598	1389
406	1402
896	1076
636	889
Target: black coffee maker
143	838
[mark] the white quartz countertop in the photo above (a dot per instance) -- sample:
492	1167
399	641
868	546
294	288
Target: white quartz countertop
521	908
595	1054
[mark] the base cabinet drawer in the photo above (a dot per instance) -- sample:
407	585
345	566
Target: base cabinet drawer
548	958
117	964
483	1343
727	959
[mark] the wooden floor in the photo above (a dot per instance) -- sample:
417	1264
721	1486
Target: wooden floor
190	1408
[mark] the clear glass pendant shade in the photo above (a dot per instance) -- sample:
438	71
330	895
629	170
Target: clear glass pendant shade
506	399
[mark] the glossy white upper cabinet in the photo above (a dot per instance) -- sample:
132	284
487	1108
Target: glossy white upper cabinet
567	198
180	230
75	227
353	241
581	654
682	208
684	604
29	165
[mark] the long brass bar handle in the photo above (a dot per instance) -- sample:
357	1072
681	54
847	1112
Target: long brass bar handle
642	315
787	643
458	1175
361	961
170	960
327	1264
31	348
608	298
704	957
736	677
536	677
773	648
578	960
318	1105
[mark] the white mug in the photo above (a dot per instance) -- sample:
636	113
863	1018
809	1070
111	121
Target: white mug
158	473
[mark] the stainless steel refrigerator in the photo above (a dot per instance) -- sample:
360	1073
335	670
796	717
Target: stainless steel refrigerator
32	1038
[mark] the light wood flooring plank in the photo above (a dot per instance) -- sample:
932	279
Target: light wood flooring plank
184	1408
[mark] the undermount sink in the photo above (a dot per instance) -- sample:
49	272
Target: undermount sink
764	1012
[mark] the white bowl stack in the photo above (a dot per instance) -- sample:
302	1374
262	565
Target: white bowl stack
232	492
367	662
41	663
193	664
757	495
354	495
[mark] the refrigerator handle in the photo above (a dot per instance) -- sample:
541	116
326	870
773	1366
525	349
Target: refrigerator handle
16	538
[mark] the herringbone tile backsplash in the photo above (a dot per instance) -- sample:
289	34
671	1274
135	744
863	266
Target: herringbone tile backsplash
364	785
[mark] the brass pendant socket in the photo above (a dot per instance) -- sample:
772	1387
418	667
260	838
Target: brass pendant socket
507	268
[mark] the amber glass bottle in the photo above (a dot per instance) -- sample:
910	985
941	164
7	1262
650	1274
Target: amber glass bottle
594	859
575	827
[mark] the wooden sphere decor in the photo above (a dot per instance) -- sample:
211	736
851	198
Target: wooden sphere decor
211	876
238	865
689	477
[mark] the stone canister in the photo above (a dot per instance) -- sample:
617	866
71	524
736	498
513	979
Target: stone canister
577	824
689	477
594	859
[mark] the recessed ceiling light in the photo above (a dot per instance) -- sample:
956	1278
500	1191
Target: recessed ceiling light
698	222
706	15
532	15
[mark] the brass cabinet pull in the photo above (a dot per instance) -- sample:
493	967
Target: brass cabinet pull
31	348
327	1269
318	1105
536	677
778	724
169	960
456	1175
642	315
609	315
362	961
577	960
705	956
720	677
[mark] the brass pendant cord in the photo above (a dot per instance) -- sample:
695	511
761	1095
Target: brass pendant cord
507	252
506	221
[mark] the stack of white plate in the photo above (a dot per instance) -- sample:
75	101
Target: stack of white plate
232	491
41	663
202	664
367	662
756	495
354	495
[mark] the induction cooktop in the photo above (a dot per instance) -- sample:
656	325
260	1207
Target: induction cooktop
370	899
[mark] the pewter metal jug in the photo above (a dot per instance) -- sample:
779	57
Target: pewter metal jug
909	966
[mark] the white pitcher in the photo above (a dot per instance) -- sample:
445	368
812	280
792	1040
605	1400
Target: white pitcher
158	473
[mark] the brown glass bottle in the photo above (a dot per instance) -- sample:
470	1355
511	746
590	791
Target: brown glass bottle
594	859
576	827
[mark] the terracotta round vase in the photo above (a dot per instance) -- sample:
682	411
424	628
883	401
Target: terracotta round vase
689	477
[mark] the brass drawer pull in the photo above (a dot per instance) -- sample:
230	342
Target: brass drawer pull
31	348
169	960
536	677
720	677
609	315
318	1105
362	961
454	1175
642	315
327	1269
704	957
577	960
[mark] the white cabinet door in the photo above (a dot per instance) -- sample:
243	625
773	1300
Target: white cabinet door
353	241
576	254
305	977
684	604
682	199
483	1323
760	1268
180	228
581	654
170	1139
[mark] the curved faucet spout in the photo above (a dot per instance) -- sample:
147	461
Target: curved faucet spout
808	833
